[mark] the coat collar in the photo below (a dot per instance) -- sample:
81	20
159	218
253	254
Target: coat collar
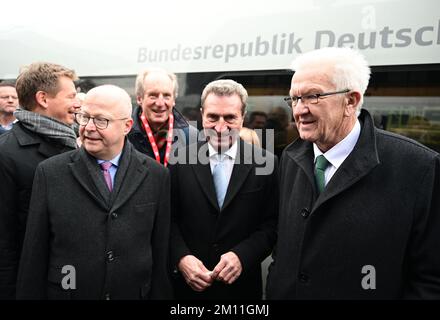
131	172
26	137
359	163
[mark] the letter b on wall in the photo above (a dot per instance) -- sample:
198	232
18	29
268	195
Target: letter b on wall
369	280
69	280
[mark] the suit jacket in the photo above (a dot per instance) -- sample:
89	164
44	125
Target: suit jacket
117	242
21	150
245	224
381	209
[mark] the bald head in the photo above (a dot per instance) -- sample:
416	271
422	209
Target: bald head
107	113
116	99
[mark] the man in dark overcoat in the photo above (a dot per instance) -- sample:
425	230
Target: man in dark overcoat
359	207
224	204
98	225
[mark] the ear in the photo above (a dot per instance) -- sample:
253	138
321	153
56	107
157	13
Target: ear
353	98
41	98
128	126
139	100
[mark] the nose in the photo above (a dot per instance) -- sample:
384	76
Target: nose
77	103
90	126
221	125
160	100
300	108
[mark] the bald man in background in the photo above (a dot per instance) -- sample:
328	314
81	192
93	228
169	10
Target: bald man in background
106	233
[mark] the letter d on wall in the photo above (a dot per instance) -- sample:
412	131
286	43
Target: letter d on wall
69	280
369	280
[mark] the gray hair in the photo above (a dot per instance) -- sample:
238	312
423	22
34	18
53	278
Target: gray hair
139	86
350	68
226	87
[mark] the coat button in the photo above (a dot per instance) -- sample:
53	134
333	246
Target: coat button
305	213
110	256
303	278
114	215
107	296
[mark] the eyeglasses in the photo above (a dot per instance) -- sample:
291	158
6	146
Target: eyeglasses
310	98
100	123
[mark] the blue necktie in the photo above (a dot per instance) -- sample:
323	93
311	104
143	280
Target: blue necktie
220	180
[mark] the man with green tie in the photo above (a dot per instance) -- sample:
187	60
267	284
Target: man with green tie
359	207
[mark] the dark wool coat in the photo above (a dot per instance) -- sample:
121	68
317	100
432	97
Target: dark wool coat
117	242
381	209
245	225
21	150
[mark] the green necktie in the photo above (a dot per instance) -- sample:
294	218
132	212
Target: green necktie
320	166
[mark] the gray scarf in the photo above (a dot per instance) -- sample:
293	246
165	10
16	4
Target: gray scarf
48	127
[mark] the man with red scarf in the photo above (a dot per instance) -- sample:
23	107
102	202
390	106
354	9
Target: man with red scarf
158	128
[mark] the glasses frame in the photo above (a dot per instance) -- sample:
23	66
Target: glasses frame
93	119
311	97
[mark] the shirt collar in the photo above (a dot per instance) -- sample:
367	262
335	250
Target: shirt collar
231	152
114	161
338	153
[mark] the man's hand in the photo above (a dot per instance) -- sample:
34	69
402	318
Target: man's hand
195	273
228	269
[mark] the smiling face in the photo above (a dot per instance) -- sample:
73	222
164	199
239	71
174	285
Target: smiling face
158	100
63	105
332	118
222	120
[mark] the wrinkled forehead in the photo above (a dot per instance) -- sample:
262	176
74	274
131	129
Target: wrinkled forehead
8	90
158	81
313	78
99	105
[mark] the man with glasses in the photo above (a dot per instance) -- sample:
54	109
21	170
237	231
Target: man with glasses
101	212
359	207
47	96
8	104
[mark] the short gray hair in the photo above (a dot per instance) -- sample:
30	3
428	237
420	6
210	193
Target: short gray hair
350	68
226	87
139	86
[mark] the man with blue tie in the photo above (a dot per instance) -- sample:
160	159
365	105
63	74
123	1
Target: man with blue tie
224	204
99	221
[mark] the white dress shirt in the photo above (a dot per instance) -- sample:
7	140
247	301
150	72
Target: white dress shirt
339	152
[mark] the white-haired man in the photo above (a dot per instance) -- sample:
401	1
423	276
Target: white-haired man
359	207
158	128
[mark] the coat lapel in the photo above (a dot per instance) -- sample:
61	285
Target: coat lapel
242	167
358	164
132	171
86	171
303	156
202	171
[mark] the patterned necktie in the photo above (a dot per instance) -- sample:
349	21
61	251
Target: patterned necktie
220	180
320	166
105	166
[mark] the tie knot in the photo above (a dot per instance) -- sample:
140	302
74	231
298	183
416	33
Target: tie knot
106	165
221	157
321	163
